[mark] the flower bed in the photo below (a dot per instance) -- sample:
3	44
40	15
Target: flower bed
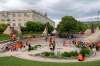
65	55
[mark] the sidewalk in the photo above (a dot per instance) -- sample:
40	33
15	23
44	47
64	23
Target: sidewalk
26	55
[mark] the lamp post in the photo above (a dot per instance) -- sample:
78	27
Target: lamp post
98	15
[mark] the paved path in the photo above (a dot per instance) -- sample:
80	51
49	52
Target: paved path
27	55
30	55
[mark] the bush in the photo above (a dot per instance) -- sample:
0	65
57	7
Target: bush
33	27
66	54
62	55
48	54
74	54
85	52
2	27
30	48
34	47
69	54
36	27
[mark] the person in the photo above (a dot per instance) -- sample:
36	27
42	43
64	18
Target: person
94	51
46	38
81	57
98	46
65	43
13	37
52	43
29	47
53	47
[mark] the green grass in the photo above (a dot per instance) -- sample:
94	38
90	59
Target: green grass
4	37
13	61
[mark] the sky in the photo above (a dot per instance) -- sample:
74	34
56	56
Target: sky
83	10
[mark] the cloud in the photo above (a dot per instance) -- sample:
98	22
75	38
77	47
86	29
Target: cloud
80	9
91	18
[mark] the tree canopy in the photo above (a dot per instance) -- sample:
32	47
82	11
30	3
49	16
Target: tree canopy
32	26
2	27
70	25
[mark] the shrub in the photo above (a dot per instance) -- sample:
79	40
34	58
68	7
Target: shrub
34	47
30	48
66	54
2	27
74	53
69	54
85	52
33	27
48	54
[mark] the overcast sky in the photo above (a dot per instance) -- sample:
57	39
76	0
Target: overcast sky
81	9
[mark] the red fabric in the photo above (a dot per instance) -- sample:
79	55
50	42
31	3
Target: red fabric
18	45
80	57
98	44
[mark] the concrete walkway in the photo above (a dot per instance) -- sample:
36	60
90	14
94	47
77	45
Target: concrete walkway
28	56
31	55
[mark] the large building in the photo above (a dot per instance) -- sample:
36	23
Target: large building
22	16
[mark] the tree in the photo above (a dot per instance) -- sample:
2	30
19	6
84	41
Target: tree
82	27
69	25
34	26
2	27
49	27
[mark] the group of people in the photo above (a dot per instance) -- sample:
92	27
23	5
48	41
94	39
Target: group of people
92	46
14	46
79	43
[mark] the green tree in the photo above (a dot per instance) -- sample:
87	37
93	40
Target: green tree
34	26
2	27
82	27
49	27
69	25
31	27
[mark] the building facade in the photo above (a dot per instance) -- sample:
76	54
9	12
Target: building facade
22	16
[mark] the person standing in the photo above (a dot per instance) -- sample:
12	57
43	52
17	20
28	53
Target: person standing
52	43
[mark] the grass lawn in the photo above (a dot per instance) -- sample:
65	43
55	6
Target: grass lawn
3	37
13	61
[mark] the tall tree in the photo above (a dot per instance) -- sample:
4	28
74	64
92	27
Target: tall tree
68	24
2	27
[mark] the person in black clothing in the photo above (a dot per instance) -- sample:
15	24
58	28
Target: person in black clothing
29	47
53	47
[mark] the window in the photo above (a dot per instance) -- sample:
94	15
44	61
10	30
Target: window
14	24
19	19
13	20
13	14
19	14
26	14
3	15
8	19
2	20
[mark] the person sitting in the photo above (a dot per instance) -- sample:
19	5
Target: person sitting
13	37
81	57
